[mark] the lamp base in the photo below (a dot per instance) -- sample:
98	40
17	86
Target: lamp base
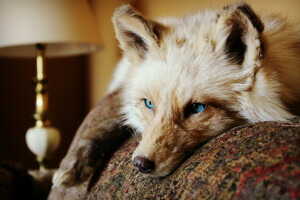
42	141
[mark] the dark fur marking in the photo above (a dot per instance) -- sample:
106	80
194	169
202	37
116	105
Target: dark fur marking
104	148
235	47
148	25
154	29
137	42
247	10
252	17
180	42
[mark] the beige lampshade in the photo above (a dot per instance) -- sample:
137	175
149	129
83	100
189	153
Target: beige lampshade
67	27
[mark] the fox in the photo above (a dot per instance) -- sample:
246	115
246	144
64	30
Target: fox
185	80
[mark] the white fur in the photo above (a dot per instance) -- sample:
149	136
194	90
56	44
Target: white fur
190	64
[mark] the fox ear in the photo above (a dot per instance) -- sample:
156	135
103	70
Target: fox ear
243	28
137	35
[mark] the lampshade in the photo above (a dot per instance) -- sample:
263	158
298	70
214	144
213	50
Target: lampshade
65	26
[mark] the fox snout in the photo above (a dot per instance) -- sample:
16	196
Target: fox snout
159	152
143	164
154	167
152	156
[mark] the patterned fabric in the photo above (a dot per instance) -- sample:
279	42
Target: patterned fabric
255	161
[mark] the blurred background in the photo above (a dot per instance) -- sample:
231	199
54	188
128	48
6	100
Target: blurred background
76	84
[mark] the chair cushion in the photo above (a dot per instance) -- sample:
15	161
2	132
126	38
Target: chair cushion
255	161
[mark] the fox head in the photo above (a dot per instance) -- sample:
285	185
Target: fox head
190	79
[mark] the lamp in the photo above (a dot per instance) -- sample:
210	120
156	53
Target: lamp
47	28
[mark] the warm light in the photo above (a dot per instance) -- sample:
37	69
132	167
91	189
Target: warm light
39	123
39	63
39	28
67	27
39	103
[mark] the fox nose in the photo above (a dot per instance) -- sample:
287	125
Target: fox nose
143	164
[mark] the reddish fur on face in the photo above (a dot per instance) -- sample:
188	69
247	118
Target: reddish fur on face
167	140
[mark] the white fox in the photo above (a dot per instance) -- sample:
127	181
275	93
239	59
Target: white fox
186	80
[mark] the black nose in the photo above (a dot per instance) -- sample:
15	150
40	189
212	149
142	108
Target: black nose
143	164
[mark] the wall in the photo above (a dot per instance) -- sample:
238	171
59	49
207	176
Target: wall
101	65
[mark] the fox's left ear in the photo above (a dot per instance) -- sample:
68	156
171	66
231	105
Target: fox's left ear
243	41
137	35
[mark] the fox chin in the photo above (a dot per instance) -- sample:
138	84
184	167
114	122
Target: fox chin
185	80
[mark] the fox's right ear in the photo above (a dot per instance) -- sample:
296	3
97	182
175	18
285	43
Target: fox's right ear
137	35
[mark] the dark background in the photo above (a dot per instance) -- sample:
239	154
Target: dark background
67	104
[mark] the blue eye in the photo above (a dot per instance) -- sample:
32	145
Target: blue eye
148	104
196	108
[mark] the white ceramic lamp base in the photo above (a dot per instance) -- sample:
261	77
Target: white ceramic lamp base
42	141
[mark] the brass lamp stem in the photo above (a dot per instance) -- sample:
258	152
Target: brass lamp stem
42	139
41	81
